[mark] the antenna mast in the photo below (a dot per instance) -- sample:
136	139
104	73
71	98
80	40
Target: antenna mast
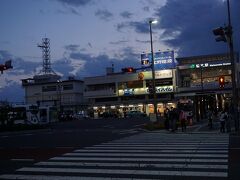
45	46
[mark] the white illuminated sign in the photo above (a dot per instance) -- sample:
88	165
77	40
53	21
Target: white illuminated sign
162	89
163	74
138	91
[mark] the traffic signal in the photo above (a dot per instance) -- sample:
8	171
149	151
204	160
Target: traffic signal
220	33
221	81
7	65
128	70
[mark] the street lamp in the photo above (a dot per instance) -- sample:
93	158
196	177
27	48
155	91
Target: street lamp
59	87
225	34
153	71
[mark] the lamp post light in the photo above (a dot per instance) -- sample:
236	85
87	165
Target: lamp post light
153	71
59	86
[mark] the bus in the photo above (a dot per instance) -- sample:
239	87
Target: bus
32	115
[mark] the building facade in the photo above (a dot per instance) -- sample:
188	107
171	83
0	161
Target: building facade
199	81
123	92
49	90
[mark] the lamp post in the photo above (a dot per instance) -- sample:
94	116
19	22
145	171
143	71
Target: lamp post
225	34
59	83
233	76
153	71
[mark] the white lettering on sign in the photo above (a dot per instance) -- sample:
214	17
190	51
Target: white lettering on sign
163	74
162	89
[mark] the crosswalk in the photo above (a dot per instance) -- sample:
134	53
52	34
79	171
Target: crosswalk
141	156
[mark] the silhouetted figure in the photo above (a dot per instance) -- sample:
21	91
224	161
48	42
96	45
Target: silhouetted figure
183	119
223	119
210	119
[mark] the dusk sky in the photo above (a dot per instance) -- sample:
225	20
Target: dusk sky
86	36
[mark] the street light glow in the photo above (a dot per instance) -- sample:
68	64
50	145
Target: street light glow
154	21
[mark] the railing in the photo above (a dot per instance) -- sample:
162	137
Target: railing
205	86
99	93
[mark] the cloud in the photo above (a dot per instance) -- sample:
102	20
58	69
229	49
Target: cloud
118	42
188	26
139	27
68	10
72	47
126	14
146	8
12	93
143	41
75	3
104	14
89	63
10	80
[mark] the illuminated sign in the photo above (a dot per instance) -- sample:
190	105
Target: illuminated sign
163	74
162	89
128	92
139	91
204	65
162	60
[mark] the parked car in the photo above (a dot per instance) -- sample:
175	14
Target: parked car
109	115
135	114
80	115
66	116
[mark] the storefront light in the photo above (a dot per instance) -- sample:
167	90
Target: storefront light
95	108
122	106
113	107
150	104
103	107
130	105
140	105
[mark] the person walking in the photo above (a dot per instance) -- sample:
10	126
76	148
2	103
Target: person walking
210	119
183	119
223	117
166	118
172	120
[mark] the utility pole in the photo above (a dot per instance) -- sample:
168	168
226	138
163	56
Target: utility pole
153	72
234	87
225	34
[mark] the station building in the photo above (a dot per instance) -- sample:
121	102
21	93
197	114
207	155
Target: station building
199	81
131	91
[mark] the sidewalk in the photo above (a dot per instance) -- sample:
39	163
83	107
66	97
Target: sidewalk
234	156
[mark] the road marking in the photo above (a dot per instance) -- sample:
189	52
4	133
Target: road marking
139	159
22	160
153	151
125	172
139	165
146	155
49	177
165	143
160	148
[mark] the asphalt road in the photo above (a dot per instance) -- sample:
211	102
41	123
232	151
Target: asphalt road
24	148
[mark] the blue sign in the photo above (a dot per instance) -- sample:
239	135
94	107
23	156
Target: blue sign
128	92
162	60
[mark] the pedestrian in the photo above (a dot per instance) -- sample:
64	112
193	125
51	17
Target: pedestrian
166	118
223	117
173	116
210	119
183	119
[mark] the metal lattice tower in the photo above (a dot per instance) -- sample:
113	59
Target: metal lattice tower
45	46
